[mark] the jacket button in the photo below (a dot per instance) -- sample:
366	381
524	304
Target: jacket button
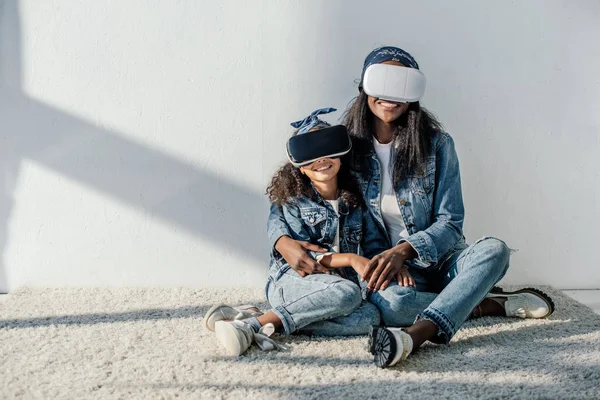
403	202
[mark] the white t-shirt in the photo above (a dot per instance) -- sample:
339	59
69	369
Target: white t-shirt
390	210
335	248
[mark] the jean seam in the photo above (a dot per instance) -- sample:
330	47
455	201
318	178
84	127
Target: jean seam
285	304
286	319
440	320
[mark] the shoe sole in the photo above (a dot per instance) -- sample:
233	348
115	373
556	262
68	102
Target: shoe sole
209	314
372	333
384	347
229	337
547	299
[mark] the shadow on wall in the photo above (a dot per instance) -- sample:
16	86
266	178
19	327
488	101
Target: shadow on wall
160	185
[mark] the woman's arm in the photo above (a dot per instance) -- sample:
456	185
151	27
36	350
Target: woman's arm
448	209
294	252
276	225
429	245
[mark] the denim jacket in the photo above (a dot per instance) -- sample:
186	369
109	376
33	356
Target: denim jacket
430	203
316	221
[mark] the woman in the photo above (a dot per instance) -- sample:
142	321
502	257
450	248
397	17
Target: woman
429	280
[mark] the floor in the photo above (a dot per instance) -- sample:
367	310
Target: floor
148	343
590	298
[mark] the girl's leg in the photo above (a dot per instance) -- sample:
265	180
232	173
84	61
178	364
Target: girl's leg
270	318
301	302
321	304
358	322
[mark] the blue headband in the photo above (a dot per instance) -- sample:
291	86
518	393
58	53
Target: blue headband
312	121
387	53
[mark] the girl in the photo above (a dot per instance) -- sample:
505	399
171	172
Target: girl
428	280
321	203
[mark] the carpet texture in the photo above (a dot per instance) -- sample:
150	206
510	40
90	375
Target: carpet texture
150	343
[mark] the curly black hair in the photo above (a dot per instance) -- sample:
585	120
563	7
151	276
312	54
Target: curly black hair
412	139
289	184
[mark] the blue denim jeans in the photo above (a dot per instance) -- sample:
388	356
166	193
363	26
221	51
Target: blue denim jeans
446	293
319	304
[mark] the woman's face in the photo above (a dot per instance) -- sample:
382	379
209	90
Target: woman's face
322	170
387	111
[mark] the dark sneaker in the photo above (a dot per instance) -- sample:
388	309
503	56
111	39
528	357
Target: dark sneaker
390	346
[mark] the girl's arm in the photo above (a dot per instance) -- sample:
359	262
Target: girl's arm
341	260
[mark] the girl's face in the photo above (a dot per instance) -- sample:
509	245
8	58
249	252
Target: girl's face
387	111
322	170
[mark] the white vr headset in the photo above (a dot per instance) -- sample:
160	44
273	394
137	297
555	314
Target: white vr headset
394	83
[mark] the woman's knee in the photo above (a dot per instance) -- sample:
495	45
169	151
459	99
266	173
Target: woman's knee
494	250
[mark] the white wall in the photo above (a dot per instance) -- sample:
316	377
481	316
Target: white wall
137	137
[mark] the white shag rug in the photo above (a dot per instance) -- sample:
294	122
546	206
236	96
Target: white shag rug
150	343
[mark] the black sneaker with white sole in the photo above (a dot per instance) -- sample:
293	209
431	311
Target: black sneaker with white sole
389	345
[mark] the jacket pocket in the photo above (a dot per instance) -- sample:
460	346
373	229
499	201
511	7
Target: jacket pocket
353	234
312	216
423	183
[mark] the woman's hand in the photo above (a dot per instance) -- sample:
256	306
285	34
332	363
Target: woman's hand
387	266
294	252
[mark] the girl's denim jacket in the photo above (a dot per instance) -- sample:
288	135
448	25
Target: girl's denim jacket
430	203
316	221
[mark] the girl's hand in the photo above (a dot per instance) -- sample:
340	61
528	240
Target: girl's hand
404	277
386	266
358	263
294	252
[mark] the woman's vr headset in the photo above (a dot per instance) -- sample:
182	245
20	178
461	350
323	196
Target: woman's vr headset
394	83
306	148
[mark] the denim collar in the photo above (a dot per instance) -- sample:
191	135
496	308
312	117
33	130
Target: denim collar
342	207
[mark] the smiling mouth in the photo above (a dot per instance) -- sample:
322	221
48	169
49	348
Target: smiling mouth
323	168
388	105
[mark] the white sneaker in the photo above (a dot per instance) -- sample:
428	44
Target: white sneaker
222	312
525	303
390	346
236	337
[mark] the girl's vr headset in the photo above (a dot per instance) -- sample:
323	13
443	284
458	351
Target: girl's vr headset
306	148
394	83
